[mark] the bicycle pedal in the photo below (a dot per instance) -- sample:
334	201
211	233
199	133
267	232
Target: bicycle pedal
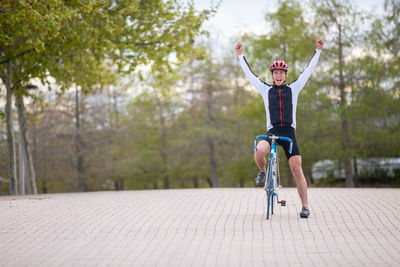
283	203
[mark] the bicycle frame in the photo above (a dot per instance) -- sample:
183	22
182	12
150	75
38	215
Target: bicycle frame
273	183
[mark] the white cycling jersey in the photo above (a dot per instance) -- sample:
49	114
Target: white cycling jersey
280	101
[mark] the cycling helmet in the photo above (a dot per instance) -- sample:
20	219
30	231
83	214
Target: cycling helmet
278	65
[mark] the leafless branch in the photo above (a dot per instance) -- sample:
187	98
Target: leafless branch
17	83
146	44
16	56
5	10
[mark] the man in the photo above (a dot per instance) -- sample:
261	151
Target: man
280	100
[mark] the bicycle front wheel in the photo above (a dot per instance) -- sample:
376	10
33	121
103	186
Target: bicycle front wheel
270	192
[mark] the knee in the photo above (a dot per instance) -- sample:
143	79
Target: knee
295	166
259	153
297	171
262	149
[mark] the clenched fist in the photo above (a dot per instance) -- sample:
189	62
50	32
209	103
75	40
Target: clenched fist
239	48
320	44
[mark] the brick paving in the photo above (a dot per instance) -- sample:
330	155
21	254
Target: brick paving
201	227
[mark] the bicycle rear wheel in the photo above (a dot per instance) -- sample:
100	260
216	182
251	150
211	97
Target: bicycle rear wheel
272	203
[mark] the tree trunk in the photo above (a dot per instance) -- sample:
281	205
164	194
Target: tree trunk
195	182
44	169
115	139
165	181
343	116
12	189
21	185
35	160
28	177
309	177
163	149
44	187
119	185
210	142
356	176
239	153
213	164
78	145
208	180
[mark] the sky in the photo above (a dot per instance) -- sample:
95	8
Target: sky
238	16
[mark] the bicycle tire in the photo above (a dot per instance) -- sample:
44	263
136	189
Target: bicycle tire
275	167
269	193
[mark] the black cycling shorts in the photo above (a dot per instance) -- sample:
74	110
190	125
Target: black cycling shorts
286	131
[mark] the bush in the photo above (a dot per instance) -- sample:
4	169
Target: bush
379	177
396	177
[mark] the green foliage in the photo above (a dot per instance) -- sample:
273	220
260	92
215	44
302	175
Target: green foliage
77	41
193	100
289	38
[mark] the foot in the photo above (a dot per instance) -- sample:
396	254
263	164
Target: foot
305	212
260	180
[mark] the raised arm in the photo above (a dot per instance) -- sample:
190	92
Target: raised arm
303	78
254	80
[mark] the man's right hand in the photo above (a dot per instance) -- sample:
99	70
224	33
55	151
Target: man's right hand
320	43
239	48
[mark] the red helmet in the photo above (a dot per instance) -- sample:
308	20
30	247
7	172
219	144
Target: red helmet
278	65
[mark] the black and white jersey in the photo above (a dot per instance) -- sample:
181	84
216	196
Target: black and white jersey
280	101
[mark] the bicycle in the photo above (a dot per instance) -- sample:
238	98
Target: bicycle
272	181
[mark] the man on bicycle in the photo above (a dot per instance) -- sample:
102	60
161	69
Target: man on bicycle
280	101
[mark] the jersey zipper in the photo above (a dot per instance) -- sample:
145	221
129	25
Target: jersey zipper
280	105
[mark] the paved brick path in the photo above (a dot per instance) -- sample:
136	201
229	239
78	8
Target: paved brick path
203	227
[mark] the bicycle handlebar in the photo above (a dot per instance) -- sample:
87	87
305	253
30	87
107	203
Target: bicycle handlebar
274	137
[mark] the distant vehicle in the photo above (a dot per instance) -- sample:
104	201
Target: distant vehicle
329	168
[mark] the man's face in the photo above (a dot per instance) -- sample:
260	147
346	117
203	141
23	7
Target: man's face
279	76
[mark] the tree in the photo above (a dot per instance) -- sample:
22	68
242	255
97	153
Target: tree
339	21
374	111
290	39
27	177
24	32
72	40
165	104
238	127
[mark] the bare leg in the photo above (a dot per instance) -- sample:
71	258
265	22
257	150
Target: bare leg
297	171
259	155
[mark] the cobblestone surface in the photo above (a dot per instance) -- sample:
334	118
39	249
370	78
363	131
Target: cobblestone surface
201	227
